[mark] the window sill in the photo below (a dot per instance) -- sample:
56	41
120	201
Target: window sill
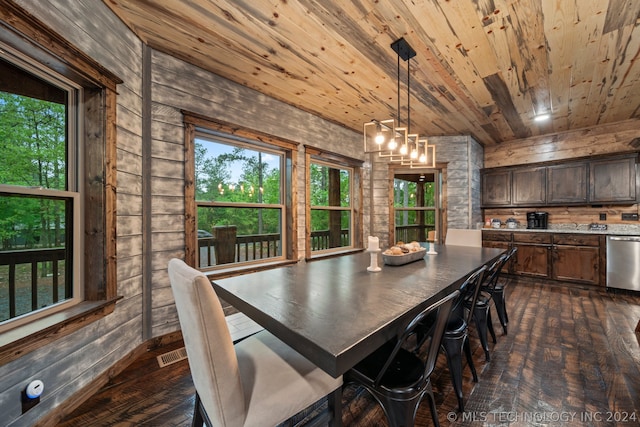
26	338
246	269
334	254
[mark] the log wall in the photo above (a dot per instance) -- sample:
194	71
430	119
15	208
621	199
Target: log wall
74	361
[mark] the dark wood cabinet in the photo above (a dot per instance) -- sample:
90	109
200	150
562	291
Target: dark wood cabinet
577	258
567	184
496	188
500	240
610	180
613	180
529	186
568	257
533	256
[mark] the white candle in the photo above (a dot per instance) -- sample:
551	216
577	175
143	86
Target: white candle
373	243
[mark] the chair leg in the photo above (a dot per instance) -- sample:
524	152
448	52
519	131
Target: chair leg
490	327
453	351
432	405
498	298
480	317
198	420
469	356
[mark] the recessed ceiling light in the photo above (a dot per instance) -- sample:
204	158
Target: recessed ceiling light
542	117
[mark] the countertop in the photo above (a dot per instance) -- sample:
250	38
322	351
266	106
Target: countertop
612	229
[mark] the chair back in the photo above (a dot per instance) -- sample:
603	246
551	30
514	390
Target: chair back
469	291
440	310
464	237
491	275
212	357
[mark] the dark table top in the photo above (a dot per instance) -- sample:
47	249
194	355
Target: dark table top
335	312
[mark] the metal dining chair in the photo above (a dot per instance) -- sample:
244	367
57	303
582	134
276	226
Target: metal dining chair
456	335
398	378
258	382
481	307
497	290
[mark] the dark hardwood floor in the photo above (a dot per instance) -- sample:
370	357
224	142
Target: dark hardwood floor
571	357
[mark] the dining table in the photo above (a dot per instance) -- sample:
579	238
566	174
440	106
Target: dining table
335	312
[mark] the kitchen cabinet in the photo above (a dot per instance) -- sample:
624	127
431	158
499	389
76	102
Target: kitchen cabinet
613	180
598	180
529	186
496	188
500	240
533	256
576	258
567	184
567	257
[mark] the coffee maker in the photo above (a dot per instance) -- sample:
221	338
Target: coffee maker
537	220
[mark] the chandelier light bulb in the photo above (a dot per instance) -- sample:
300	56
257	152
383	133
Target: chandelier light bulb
379	139
393	144
403	150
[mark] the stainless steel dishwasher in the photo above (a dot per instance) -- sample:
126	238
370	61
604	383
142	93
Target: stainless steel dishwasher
623	262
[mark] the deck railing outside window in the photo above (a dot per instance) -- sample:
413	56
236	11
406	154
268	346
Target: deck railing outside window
31	279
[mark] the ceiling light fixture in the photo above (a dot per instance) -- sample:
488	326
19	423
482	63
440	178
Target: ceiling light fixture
542	117
390	140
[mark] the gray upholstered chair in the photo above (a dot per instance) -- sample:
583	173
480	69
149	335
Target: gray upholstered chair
258	382
464	237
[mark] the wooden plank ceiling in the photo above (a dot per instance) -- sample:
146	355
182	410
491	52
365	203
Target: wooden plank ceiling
483	67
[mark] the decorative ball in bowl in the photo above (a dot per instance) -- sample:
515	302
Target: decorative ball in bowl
403	253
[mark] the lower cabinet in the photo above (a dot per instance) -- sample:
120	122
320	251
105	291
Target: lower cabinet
578	258
532	258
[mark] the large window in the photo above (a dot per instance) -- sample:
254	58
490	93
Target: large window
39	195
416	205
331	218
240	192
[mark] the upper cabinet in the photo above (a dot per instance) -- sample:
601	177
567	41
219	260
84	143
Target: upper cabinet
613	180
496	187
529	186
610	180
567	184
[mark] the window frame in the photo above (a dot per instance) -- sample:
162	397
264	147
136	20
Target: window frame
26	34
72	190
196	124
326	158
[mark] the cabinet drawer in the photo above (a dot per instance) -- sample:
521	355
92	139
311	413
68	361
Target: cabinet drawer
541	238
576	240
496	236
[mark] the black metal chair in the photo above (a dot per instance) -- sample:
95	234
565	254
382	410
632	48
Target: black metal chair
456	335
498	292
481	307
396	376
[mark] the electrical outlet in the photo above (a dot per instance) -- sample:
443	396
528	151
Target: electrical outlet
629	216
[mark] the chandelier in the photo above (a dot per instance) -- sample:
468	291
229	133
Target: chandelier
392	141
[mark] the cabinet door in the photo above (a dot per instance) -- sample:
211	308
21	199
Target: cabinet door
576	264
532	260
496	188
612	181
529	186
567	184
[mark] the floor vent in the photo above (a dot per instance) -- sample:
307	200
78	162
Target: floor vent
172	357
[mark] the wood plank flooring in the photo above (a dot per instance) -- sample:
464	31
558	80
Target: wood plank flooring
571	357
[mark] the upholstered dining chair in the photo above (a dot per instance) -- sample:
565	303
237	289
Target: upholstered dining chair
258	382
396	376
464	237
